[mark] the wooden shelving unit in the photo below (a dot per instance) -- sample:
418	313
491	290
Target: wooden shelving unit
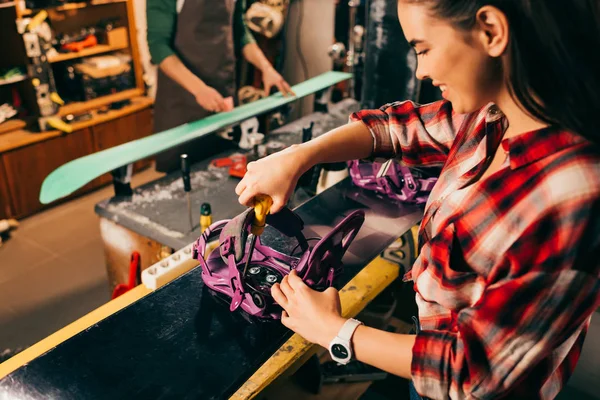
25	150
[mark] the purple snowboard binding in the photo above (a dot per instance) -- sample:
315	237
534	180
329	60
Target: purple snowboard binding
318	265
391	179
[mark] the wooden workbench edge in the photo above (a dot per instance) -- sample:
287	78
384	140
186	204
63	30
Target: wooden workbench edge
72	329
355	296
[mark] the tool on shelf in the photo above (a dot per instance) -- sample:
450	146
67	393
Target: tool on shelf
236	163
37	37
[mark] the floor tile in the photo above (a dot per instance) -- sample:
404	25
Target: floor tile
18	255
52	270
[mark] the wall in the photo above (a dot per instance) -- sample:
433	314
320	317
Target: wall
316	19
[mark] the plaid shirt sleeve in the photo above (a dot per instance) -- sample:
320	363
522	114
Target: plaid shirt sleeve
537	302
420	134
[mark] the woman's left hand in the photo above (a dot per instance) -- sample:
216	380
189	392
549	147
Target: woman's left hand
316	316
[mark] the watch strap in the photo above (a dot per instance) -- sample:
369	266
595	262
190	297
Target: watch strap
348	329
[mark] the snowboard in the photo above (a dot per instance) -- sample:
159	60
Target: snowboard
73	175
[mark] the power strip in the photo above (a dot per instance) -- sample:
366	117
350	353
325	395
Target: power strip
169	268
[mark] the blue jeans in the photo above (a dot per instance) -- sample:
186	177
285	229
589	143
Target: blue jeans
413	392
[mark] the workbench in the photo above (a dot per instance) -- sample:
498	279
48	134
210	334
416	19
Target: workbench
181	341
154	221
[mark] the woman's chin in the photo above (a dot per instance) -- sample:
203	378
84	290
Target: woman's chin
460	107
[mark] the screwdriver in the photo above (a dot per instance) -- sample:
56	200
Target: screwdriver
262	205
187	186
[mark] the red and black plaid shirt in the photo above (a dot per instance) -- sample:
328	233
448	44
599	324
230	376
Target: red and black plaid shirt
508	273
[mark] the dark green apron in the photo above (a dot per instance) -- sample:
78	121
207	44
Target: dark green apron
204	43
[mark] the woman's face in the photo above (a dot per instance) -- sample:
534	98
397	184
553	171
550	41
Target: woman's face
455	60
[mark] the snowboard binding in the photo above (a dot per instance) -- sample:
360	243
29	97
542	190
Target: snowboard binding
392	180
223	269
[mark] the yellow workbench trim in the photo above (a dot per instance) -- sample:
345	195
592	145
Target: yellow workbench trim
72	329
355	296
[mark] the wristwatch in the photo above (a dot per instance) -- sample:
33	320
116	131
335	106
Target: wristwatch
340	347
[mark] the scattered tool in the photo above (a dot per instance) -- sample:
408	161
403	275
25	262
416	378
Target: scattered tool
205	216
187	186
262	206
236	163
205	222
134	276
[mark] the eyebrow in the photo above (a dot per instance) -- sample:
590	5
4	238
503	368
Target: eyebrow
415	42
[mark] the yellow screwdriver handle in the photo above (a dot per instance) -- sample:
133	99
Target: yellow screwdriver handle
262	205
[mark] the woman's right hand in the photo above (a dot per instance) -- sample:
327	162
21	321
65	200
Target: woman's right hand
275	175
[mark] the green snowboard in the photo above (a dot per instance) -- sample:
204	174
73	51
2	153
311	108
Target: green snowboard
73	175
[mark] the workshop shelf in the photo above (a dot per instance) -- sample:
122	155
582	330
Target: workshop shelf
97	49
12	125
83	106
16	138
74	6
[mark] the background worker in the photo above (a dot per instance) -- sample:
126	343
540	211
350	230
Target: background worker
195	43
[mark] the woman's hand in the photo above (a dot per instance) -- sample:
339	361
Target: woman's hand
316	316
275	176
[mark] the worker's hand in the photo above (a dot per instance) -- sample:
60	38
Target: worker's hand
316	316
275	176
272	78
209	99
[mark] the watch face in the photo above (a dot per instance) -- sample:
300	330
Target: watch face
339	351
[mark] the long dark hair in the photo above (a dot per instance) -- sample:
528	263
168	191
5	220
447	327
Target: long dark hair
554	53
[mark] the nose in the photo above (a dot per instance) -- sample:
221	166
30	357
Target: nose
421	72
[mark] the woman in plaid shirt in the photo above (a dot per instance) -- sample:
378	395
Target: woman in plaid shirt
507	276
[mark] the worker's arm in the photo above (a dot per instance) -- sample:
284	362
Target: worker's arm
270	76
420	135
254	55
162	19
278	174
207	97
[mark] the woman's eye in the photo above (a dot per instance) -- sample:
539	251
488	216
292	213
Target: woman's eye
422	53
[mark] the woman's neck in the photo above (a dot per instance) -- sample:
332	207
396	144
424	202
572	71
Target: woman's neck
518	120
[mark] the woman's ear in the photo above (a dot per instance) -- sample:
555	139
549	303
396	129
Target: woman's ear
494	30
